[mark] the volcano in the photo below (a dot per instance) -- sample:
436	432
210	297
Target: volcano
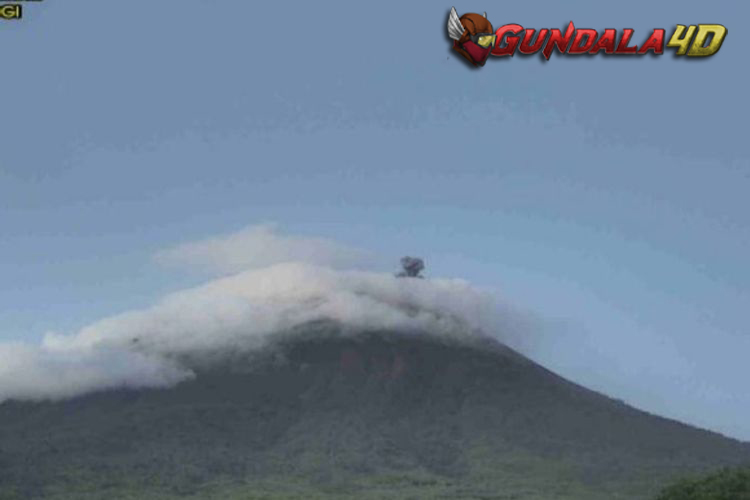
322	412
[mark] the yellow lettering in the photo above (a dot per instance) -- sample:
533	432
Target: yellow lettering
680	41
10	11
718	33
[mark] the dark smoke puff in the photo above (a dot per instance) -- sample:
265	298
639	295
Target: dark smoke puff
412	266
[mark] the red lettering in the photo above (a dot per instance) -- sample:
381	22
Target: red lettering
527	47
581	45
655	42
557	39
512	41
606	42
622	47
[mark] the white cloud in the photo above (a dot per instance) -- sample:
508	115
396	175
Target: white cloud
31	372
260	246
240	312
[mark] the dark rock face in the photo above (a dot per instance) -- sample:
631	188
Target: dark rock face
321	405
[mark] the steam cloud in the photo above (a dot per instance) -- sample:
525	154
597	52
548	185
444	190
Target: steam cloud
261	246
143	348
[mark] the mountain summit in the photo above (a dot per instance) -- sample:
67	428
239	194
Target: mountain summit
320	411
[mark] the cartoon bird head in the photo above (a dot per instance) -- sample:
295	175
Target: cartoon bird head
472	36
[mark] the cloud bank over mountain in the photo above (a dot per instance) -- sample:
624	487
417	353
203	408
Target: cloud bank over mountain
288	281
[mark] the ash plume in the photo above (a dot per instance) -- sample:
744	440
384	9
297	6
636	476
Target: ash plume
411	267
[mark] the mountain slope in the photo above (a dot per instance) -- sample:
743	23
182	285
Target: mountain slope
378	413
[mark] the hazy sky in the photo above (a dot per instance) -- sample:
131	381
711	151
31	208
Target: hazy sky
609	195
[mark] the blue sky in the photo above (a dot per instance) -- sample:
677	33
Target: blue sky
608	195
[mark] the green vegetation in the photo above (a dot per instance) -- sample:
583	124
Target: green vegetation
384	416
727	484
